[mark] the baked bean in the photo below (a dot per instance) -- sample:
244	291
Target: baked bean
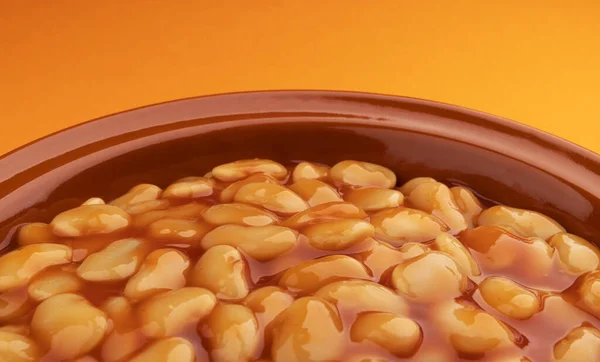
86	246
35	233
412	249
125	338
137	194
374	198
309	330
435	198
163	269
14	303
174	349
364	174
68	325
262	243
228	193
22	329
169	313
94	201
146	206
118	309
472	331
502	251
399	335
582	344
382	257
325	212
189	188
179	231
524	222
17	348
338	234
468	204
315	192
589	291
576	254
311	275
401	225
412	184
429	277
118	261
268	302
222	270
232	333
19	266
509	298
239	214
238	170
121	343
192	211
53	282
272	197
89	220
453	247
309	171
363	296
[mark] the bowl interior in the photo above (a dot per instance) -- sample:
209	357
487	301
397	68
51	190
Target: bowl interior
500	160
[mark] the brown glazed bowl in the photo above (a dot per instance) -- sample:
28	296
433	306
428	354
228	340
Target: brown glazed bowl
503	161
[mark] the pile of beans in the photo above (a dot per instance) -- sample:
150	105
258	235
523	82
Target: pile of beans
256	261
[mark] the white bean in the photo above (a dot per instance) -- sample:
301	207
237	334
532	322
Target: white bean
525	222
435	198
163	269
17	348
275	198
401	225
325	212
118	261
262	243
429	277
239	214
399	335
309	276
309	171
309	330
19	266
363	296
169	313
137	194
232	333
238	170
364	174
222	270
53	282
89	220
375	199
472	331
338	234
315	192
68	325
577	255
190	188
582	344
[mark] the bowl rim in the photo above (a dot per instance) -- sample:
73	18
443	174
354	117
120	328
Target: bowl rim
489	118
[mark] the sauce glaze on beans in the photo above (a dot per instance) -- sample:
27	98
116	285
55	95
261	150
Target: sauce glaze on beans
256	261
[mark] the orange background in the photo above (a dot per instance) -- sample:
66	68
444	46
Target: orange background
67	61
